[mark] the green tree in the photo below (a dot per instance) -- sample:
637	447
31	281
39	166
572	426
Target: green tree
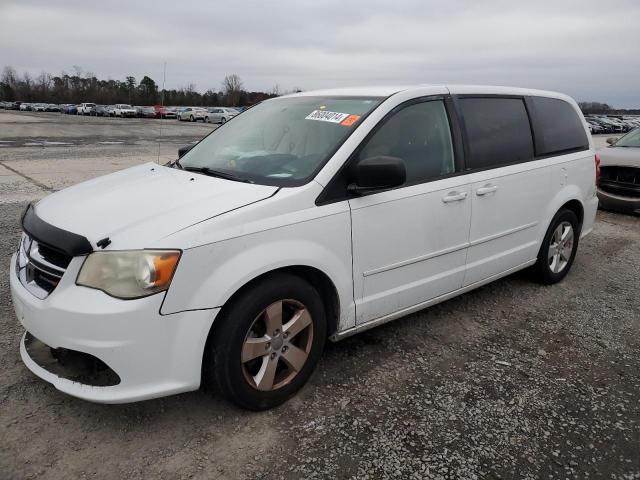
148	91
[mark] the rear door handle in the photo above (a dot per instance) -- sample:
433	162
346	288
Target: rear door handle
454	197
486	190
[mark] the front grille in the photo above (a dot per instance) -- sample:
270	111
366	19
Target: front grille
39	267
623	181
53	256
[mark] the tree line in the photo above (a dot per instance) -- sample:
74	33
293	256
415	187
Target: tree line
589	108
79	87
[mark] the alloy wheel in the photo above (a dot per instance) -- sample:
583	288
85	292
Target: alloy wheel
560	247
277	345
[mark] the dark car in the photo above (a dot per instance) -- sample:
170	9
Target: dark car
99	111
146	112
70	109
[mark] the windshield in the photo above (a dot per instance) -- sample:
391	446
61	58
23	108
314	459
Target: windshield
631	139
283	141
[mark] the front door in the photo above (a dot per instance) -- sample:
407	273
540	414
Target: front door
410	243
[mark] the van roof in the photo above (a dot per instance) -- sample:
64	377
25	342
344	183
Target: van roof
385	91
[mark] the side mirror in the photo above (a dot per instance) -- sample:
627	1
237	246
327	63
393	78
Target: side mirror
375	174
183	150
612	140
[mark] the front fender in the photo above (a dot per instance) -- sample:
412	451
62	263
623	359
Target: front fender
209	275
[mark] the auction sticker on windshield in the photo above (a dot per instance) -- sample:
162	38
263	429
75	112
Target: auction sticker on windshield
324	116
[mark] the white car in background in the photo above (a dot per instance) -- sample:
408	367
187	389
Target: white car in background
124	110
312	217
192	114
220	114
85	108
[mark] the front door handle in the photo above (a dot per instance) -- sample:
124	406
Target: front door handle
454	197
486	190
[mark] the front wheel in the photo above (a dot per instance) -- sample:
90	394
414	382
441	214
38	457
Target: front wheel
191	118
223	121
266	343
558	248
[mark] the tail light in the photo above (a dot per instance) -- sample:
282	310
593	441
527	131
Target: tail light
597	160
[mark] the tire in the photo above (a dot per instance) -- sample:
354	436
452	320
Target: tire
248	384
223	121
555	261
206	119
191	119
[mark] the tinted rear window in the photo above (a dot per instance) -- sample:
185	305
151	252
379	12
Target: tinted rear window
498	131
558	127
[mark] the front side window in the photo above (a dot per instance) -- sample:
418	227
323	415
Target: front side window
498	131
419	134
283	141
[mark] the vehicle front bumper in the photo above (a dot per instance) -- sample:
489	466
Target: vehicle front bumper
610	201
154	355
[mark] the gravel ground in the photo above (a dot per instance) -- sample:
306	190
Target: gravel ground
513	380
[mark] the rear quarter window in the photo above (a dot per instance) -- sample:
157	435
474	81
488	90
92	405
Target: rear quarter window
558	127
498	131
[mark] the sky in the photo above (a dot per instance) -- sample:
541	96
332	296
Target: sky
588	49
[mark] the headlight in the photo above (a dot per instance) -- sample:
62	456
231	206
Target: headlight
129	274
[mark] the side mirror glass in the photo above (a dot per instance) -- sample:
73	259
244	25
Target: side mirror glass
183	150
378	173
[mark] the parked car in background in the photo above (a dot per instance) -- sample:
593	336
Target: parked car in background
110	110
39	107
619	186
220	114
170	112
164	112
52	107
594	128
95	109
8	105
193	114
25	107
85	108
70	109
147	112
296	224
124	110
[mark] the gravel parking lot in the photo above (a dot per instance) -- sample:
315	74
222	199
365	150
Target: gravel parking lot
513	380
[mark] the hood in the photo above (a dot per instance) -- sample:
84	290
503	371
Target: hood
143	204
620	156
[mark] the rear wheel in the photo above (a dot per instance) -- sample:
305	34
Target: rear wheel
266	343
191	119
558	248
223	121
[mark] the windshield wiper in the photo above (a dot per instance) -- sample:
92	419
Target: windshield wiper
217	173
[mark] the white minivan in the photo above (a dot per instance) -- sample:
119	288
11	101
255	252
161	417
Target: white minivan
310	217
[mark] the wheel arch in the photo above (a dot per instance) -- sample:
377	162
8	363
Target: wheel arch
314	276
569	202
